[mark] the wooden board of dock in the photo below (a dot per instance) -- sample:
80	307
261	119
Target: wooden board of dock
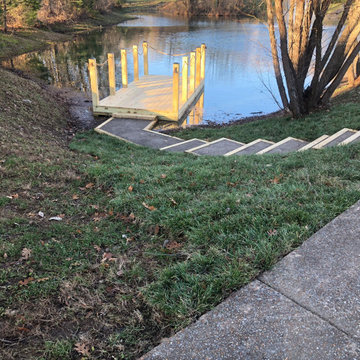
167	97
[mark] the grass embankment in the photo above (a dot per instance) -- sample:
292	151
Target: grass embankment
344	113
26	40
148	240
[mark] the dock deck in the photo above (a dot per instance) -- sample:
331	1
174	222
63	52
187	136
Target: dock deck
165	97
150	95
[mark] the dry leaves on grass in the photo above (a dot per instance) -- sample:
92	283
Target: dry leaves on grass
130	188
149	207
25	254
82	348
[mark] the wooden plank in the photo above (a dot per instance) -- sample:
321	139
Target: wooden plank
176	79
198	67
192	71
111	69
146	58
136	63
94	82
124	70
203	58
185	71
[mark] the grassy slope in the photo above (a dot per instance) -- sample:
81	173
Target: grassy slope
346	113
114	276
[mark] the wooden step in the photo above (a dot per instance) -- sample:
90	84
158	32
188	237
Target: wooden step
218	147
314	143
335	139
137	132
353	139
251	148
185	145
284	146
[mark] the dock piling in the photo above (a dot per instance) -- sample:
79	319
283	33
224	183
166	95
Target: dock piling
111	69
94	82
124	70
146	58
203	57
185	71
198	67
176	80
192	71
136	63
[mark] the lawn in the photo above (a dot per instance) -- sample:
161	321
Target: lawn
147	241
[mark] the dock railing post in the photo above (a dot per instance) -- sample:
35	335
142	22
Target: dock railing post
136	63
198	67
176	80
146	58
111	67
124	70
185	71
203	57
94	82
192	71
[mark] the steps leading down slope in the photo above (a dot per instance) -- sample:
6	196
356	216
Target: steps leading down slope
140	132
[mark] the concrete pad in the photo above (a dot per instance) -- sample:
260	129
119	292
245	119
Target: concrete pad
132	130
217	147
285	146
353	139
185	145
323	275
252	148
336	138
257	323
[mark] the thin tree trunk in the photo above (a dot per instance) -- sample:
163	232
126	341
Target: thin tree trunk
275	55
4	17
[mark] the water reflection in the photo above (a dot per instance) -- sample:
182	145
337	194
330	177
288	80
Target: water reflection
238	60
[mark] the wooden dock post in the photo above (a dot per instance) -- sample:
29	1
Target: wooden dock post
111	67
146	58
198	67
124	70
176	80
185	72
136	63
192	71
94	82
203	57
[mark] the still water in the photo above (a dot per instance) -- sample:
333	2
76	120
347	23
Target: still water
239	75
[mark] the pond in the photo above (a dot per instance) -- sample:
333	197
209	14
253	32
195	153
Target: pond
239	75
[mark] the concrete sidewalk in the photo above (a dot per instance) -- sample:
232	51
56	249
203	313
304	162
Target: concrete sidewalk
307	307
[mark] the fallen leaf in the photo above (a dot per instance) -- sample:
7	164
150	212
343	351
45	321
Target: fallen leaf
130	188
23	329
111	212
42	279
55	218
26	281
5	255
89	185
142	181
25	254
173	201
97	248
107	256
96	207
75	197
149	207
173	245
14	196
163	176
82	349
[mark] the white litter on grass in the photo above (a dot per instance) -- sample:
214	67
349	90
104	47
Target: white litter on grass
55	218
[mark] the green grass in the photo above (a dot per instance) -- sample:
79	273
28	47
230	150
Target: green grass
149	240
346	113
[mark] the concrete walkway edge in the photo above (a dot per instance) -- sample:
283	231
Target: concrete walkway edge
306	307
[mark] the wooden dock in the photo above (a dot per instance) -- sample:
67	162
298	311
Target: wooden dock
169	98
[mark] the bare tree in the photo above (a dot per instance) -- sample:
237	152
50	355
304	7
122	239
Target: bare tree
4	16
306	73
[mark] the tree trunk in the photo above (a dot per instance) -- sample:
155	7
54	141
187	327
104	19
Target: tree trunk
4	17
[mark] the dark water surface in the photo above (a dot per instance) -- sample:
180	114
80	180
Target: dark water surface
238	63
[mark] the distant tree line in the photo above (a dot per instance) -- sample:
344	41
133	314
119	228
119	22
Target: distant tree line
20	13
217	8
